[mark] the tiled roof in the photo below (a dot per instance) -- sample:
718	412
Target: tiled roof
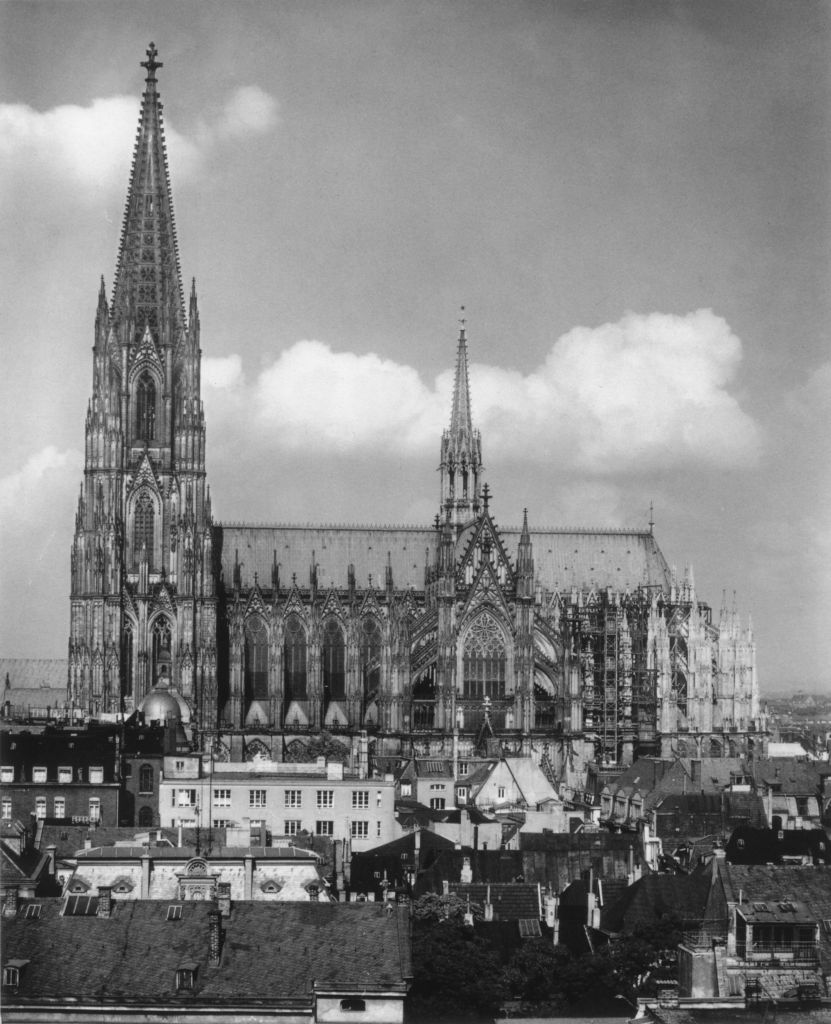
792	777
134	954
655	896
811	885
562	558
516	901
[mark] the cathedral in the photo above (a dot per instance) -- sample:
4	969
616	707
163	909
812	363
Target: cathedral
453	639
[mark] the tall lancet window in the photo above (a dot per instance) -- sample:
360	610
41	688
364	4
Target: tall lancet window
484	659
294	659
256	659
143	527
370	658
334	661
145	408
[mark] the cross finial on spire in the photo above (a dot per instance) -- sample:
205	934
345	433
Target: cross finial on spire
151	63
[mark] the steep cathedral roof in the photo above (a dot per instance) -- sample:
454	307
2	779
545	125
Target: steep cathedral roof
562	558
148	281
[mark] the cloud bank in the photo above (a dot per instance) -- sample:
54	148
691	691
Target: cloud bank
647	393
87	146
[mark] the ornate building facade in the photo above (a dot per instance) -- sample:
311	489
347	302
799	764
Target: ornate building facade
570	645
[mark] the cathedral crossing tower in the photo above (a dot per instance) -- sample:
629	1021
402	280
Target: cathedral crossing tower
143	605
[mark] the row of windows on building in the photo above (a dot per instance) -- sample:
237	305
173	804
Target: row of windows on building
325	798
58	808
66	775
359	829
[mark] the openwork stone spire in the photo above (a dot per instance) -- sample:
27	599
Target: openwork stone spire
148	285
461	448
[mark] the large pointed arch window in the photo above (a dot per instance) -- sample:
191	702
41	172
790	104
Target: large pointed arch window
145	407
256	659
371	641
484	659
294	659
143	529
162	657
334	661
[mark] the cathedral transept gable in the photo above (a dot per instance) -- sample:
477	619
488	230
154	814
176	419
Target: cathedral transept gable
485	545
486	590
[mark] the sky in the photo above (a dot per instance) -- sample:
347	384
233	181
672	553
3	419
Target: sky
630	199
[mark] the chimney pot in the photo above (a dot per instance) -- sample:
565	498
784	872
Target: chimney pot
214	936
105	901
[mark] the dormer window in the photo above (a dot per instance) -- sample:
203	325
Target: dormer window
39	774
353	1004
186	977
96	775
64	775
7	773
11	975
406	789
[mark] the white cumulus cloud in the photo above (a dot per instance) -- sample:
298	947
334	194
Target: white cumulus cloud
649	392
249	111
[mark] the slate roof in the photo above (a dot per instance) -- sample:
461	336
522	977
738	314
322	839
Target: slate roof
134	954
791	776
810	885
513	901
653	897
562	558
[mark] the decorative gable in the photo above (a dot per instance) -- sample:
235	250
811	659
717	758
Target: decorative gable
486	590
485	548
147	355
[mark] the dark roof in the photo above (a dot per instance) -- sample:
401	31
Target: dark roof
69	839
134	954
762	882
789	775
654	897
517	901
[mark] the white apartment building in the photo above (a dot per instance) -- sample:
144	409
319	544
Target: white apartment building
283	799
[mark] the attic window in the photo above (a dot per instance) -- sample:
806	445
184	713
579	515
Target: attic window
81	906
787	907
11	974
762	908
353	1004
185	977
33	910
174	912
7	773
529	928
96	775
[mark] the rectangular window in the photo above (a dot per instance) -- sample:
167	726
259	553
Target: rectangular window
60	807
294	798
184	798
180	766
406	789
40	807
437	787
500	793
325	798
360	798
184	980
94	809
325	828
377	828
38	775
222	798
464	768
11	978
221	822
96	775
64	775
7	773
256	797
461	794
291	827
7	808
360	829
437	803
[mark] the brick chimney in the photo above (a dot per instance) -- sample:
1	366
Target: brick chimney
10	902
214	937
50	853
223	898
105	900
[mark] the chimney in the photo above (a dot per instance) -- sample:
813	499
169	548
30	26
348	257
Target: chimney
87	844
445	887
223	898
214	937
145	875
105	901
417	849
10	902
50	853
488	906
249	877
363	755
467	872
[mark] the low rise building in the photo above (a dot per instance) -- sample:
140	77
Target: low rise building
117	961
284	799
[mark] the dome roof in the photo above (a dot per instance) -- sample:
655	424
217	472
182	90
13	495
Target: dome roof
160	705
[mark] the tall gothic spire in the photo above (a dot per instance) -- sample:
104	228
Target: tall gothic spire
148	285
461	448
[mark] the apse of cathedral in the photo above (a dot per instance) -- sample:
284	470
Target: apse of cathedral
456	639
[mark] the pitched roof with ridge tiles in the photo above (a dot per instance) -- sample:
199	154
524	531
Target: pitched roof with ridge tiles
512	901
134	954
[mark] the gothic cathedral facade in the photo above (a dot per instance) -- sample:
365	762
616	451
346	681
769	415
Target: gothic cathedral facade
451	639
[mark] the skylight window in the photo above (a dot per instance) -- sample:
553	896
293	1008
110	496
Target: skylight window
174	912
